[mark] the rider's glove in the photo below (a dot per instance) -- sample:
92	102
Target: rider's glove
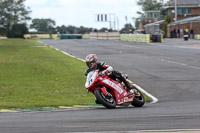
86	72
106	72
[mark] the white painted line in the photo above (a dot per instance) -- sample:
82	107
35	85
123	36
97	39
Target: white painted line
174	62
167	130
195	67
81	59
128	46
42	43
155	131
188	47
154	99
57	49
181	64
67	54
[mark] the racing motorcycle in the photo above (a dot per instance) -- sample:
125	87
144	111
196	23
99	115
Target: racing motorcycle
111	93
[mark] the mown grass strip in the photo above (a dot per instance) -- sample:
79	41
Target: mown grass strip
32	77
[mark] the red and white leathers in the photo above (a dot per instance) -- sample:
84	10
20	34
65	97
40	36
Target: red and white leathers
108	70
102	67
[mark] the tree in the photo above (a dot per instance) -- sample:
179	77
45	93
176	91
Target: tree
73	30
84	30
12	12
137	23
61	29
17	31
43	25
150	4
127	28
104	29
166	22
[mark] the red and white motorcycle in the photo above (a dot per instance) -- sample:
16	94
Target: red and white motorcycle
110	93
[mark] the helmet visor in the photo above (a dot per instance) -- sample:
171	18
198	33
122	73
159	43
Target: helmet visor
90	63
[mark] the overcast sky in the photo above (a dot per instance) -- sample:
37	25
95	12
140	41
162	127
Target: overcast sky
82	12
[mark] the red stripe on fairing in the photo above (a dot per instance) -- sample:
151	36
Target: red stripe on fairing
104	91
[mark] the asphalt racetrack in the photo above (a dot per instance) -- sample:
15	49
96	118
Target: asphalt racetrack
169	71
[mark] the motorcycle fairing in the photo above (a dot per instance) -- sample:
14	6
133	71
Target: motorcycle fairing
121	95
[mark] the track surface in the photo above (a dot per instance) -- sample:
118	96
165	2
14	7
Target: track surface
169	71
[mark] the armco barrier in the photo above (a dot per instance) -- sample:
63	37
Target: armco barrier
135	38
70	36
197	37
105	35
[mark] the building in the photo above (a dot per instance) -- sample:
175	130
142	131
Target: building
154	28
149	17
188	16
191	23
185	9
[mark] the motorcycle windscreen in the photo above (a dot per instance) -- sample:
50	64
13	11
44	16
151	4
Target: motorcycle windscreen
90	78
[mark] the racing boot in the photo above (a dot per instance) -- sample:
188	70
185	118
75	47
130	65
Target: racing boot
129	87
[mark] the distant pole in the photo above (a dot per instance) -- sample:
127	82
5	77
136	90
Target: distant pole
110	21
126	23
126	18
114	22
118	23
175	10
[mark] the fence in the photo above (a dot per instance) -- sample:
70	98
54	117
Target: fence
135	38
71	36
86	36
105	35
41	36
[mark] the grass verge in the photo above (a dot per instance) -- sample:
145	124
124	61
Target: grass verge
32	76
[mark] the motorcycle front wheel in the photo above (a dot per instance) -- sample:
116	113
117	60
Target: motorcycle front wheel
107	101
139	100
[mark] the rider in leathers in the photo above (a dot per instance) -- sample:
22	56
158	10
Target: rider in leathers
91	62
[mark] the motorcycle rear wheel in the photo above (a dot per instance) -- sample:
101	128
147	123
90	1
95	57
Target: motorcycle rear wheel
107	102
138	101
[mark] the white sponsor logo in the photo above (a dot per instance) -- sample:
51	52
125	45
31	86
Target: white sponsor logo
116	87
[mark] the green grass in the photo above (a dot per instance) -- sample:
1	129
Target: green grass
32	76
39	76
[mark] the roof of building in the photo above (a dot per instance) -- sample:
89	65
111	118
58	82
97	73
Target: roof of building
153	11
186	3
155	23
186	20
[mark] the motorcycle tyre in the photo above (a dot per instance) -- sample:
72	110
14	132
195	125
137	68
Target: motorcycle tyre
138	101
99	97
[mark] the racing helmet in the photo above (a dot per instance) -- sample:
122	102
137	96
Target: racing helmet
91	61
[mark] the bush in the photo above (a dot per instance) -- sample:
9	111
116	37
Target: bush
17	31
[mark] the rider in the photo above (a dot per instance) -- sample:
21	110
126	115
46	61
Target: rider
91	62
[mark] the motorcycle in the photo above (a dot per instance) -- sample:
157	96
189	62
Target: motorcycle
111	93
